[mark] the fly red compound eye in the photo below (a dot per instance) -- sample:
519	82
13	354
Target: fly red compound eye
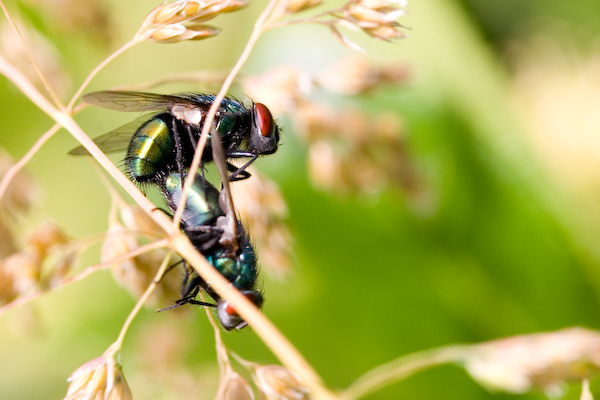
165	141
251	296
230	310
264	119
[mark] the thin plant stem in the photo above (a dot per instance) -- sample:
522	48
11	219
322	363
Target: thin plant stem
66	121
46	136
201	78
16	167
178	242
254	36
84	274
282	24
118	344
401	368
312	20
264	328
115	196
99	67
586	394
222	356
35	65
269	334
142	300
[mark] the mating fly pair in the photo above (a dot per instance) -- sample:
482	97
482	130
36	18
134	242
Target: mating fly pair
160	147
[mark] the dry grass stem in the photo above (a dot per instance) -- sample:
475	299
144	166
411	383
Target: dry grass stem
537	361
82	275
263	327
97	69
585	391
36	67
232	386
178	242
401	368
183	20
8	177
142	300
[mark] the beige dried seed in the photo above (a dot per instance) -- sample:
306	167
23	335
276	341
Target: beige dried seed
234	387
542	360
119	241
165	13
22	193
234	5
89	382
365	14
350	76
157	22
279	383
294	6
120	390
45	237
280	87
382	4
137	220
177	33
384	32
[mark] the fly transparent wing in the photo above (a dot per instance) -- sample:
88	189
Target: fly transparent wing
115	140
136	101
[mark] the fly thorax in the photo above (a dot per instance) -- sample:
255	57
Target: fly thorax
225	265
191	115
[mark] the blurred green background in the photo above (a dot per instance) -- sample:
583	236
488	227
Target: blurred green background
503	242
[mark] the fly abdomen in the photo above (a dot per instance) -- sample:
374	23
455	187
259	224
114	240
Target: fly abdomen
202	203
151	151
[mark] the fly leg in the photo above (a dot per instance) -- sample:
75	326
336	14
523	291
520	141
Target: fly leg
189	290
239	174
204	237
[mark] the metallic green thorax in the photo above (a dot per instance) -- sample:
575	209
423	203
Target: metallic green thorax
240	271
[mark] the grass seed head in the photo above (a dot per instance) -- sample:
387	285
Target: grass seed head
294	6
181	20
384	32
177	33
279	383
537	361
359	75
234	387
21	195
89	382
377	18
